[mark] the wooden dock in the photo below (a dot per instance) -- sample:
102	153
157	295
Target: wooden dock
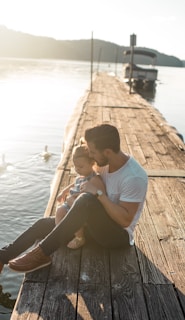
147	282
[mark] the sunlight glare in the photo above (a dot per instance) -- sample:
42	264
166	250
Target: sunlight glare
15	110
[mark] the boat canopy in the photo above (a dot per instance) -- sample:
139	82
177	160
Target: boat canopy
141	52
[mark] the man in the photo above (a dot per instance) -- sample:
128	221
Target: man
114	212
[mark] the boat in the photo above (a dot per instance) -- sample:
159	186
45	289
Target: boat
140	78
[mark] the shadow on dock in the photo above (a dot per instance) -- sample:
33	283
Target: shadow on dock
94	283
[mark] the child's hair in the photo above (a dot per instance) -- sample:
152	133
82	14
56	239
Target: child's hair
81	151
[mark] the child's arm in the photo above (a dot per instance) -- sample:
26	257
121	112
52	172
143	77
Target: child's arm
94	184
62	195
98	183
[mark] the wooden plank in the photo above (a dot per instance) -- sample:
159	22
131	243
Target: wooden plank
106	115
170	232
175	191
54	191
176	173
162	302
175	253
153	159
135	149
124	107
181	294
127	262
94	265
152	262
128	299
29	302
162	211
31	295
137	153
127	292
157	209
60	299
94	302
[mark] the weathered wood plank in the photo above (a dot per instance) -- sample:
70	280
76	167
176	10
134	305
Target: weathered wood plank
175	253
127	262
29	301
61	291
162	302
127	292
94	302
59	301
152	263
94	265
175	192
162	212
170	232
128	299
177	173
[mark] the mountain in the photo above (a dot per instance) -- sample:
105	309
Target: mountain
21	45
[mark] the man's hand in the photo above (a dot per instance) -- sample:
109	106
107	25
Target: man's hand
71	199
88	186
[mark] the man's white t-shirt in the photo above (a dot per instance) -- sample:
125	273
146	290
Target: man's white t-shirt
128	184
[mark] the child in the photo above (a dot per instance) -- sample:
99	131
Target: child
84	167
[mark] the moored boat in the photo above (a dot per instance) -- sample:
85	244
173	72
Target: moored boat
138	76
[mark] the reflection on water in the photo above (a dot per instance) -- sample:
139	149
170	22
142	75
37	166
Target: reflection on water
148	95
5	299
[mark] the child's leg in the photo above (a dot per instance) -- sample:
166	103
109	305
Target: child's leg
78	241
60	213
80	233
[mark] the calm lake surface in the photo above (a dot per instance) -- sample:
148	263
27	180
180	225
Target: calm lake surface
36	101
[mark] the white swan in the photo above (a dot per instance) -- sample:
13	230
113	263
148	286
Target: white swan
3	164
45	154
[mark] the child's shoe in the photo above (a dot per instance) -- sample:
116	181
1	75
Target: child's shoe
76	243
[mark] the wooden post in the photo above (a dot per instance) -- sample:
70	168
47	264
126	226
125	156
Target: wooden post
132	44
116	61
92	62
99	59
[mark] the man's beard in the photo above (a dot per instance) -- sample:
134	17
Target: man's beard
103	162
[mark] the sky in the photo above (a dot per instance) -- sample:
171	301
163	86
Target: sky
158	24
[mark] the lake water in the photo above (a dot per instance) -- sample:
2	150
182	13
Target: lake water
36	101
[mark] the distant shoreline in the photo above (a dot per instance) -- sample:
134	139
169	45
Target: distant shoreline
16	44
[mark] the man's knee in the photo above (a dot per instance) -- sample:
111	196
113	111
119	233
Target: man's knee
45	224
85	200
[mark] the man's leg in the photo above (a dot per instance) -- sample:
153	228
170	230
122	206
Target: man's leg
37	231
106	231
86	210
81	213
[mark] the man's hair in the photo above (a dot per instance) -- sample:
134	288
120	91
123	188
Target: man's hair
104	136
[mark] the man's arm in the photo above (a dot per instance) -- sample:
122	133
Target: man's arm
122	213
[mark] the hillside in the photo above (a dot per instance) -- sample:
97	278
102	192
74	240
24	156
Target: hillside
21	45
